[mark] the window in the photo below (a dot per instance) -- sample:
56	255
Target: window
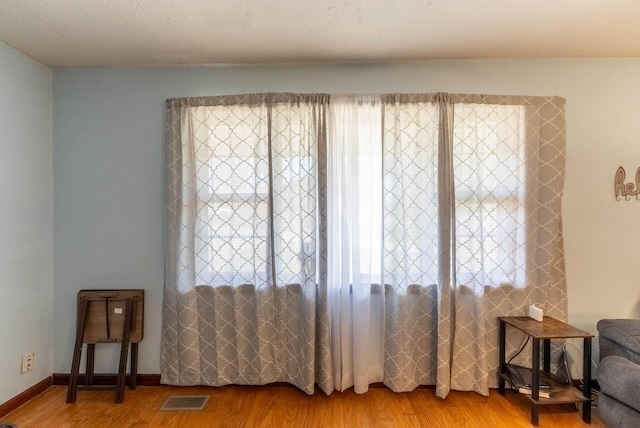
489	174
256	186
254	189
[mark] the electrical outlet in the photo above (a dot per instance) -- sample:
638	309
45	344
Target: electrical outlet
27	362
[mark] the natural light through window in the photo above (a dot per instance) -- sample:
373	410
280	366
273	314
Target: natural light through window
250	217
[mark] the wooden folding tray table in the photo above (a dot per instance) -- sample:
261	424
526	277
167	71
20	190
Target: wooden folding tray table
107	316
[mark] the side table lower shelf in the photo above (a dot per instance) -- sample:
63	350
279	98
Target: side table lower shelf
560	392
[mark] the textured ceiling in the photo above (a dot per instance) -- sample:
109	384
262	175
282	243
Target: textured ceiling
159	32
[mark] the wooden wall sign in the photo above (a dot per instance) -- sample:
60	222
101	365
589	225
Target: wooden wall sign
626	190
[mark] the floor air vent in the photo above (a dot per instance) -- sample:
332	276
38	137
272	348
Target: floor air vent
7	425
185	402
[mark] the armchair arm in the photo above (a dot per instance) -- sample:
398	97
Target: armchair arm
620	379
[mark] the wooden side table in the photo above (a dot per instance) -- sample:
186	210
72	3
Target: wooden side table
549	328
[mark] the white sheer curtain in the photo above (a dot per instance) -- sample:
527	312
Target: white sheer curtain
354	215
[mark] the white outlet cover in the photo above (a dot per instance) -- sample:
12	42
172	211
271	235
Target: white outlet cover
27	362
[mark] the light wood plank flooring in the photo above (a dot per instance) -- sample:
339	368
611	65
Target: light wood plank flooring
284	406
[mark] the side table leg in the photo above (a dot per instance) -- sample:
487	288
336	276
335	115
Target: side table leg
535	382
502	367
586	379
546	363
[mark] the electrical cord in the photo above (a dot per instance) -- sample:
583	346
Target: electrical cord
520	350
594	392
509	372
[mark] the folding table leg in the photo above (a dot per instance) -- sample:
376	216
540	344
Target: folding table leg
83	304
133	384
88	373
124	350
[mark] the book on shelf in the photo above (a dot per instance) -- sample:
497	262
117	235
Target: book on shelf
541	393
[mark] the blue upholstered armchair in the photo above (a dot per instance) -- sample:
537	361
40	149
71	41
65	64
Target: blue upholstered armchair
619	372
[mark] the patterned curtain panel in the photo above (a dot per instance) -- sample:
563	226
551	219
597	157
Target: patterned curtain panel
244	251
346	240
508	161
417	231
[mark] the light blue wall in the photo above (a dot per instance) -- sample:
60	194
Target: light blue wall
26	221
108	169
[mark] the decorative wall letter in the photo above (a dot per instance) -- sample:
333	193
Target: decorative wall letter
626	189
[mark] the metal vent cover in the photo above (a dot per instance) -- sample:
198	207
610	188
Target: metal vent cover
185	402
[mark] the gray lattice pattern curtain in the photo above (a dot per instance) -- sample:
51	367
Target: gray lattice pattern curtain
509	160
345	240
244	251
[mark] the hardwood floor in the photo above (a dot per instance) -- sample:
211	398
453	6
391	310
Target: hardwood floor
284	406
